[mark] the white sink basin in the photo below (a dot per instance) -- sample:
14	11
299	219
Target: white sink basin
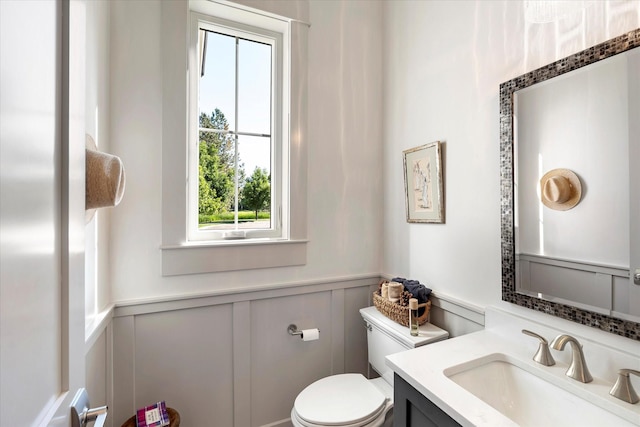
508	386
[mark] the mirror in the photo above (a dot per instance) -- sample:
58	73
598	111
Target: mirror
574	120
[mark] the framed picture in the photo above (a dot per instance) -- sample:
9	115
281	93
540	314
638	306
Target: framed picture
423	184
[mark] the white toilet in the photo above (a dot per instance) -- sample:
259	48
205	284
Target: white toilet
351	400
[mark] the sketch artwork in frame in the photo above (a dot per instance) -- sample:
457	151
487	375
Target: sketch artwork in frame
423	184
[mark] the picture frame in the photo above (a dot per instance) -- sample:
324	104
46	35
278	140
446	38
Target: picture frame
423	185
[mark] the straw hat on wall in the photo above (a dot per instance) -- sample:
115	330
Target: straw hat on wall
560	189
105	179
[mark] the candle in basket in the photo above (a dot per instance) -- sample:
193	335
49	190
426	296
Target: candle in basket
395	291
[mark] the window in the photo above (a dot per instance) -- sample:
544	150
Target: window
280	238
237	179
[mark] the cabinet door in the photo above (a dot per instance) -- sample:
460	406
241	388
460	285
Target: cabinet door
412	409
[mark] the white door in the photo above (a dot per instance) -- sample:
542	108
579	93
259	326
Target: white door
41	210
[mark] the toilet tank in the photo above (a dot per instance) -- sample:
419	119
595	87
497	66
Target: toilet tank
385	337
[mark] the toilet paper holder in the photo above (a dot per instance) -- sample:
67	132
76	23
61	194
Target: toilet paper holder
293	330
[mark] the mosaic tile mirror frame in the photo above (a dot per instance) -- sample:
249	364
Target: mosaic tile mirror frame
629	329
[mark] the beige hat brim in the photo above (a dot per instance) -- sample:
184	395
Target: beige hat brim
575	188
105	179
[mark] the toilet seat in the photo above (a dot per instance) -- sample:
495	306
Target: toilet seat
378	421
346	400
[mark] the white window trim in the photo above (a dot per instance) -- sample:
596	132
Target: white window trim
279	122
179	255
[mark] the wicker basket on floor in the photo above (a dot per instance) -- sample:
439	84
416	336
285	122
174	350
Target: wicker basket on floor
174	418
399	313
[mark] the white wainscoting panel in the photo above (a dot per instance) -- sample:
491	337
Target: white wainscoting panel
355	334
281	364
595	287
97	366
185	357
123	370
621	297
337	330
242	363
231	356
455	316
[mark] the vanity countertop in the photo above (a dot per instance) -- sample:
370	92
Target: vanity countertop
423	368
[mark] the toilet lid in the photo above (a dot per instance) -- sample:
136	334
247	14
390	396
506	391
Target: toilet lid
339	400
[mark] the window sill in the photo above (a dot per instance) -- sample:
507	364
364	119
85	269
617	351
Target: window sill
195	258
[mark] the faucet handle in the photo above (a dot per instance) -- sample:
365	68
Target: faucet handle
623	389
543	355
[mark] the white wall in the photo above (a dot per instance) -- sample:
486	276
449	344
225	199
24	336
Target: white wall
443	63
230	351
344	149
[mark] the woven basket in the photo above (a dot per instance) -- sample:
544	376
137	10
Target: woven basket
399	313
174	419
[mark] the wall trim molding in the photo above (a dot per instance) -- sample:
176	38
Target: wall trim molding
246	293
461	308
119	320
443	301
97	325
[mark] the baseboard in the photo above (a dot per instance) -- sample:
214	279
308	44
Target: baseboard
281	423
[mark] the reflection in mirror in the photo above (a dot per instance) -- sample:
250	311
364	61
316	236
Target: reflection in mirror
573	256
580	121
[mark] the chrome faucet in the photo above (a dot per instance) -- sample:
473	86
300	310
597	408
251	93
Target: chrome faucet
623	389
578	369
543	355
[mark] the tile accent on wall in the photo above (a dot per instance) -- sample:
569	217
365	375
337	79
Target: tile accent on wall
588	56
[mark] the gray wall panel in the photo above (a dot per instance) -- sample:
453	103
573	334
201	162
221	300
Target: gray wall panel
281	364
96	376
232	357
354	330
185	357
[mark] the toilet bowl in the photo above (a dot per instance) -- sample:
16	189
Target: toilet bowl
351	400
347	400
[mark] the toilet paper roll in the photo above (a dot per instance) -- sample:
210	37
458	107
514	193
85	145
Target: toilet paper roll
310	334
